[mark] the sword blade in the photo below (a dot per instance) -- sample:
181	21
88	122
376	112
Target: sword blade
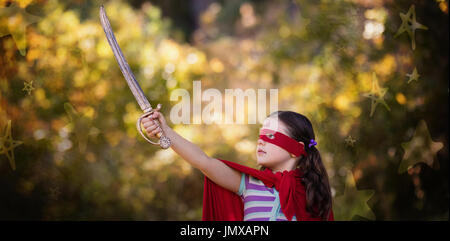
123	64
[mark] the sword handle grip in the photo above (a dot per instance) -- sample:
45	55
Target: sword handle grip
164	141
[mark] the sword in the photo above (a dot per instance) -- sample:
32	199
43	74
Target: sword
135	88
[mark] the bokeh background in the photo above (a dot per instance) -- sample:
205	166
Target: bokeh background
69	149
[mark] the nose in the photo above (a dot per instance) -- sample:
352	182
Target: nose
261	141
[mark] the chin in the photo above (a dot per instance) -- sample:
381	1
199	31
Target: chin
259	161
262	162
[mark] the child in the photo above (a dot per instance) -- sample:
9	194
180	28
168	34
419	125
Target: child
291	185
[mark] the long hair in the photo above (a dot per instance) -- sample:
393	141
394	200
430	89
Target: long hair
315	177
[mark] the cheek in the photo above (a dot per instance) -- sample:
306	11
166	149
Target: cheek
276	152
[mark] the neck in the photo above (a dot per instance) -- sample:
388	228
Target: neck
289	167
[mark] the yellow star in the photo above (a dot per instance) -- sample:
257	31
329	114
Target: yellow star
420	149
410	25
340	48
413	76
14	20
7	145
54	192
82	126
350	141
376	95
354	200
28	87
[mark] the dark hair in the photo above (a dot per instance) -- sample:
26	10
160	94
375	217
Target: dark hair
315	177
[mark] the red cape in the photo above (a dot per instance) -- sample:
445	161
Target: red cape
220	204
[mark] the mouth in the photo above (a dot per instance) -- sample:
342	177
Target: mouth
261	152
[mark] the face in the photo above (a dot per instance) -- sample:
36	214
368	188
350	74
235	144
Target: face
268	154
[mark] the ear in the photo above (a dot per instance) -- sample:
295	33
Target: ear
303	144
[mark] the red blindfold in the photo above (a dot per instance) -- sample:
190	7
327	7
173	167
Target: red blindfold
279	139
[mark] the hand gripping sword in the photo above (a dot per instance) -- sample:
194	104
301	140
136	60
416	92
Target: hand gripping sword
164	141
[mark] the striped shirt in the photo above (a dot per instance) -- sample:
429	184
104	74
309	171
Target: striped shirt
261	203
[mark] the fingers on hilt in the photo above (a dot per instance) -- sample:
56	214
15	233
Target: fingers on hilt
155	121
158	131
164	141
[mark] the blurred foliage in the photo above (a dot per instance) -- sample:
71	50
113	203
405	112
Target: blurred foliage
82	157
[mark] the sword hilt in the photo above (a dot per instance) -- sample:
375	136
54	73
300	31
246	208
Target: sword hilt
164	141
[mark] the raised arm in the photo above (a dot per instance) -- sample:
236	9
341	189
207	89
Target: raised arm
213	168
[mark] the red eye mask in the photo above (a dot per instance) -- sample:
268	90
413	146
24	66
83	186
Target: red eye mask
279	139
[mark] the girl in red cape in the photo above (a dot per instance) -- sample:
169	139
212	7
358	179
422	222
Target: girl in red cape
292	183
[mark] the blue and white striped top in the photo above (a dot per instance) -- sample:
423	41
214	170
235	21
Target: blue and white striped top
261	203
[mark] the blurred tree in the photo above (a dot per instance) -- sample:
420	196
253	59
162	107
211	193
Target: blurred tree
82	158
